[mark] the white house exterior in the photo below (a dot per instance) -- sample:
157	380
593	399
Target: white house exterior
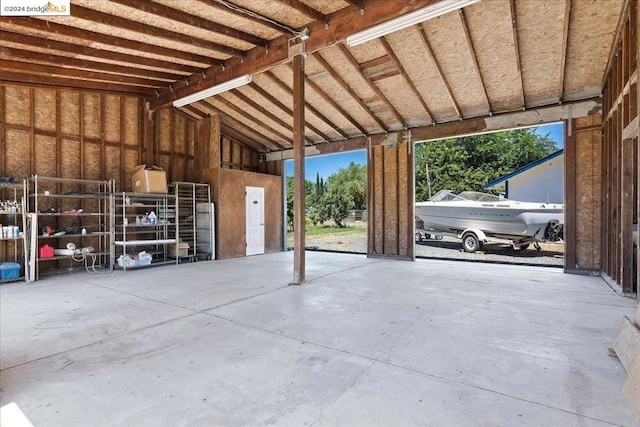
540	181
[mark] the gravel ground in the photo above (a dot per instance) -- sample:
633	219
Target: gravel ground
551	254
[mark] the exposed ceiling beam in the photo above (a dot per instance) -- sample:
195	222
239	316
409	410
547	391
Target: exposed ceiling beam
72	73
193	112
253	104
565	43
454	129
257	140
243	141
343	23
254	123
189	19
310	107
427	45
343	84
463	21
305	10
335	105
49	80
83	50
288	111
405	75
516	44
138	27
270	22
372	86
111	40
49	59
357	3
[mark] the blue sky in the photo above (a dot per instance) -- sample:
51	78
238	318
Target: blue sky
328	164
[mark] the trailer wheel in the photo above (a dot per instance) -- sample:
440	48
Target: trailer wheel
470	242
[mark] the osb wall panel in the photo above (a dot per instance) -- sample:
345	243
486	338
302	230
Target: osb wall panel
17	106
76	134
588	171
92	115
46	155
131	121
111	126
390	189
69	117
228	192
45	109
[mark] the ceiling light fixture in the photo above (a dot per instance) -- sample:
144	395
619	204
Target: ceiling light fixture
404	21
214	90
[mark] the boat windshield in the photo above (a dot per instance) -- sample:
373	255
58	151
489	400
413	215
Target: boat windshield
450	196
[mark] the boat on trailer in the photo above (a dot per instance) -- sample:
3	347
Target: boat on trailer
479	218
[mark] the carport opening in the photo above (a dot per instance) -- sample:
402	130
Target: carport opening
524	165
335	202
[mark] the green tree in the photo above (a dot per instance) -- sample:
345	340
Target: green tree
351	180
308	196
470	162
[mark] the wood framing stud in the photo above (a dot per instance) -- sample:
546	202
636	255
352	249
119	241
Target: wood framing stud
516	45
298	174
565	43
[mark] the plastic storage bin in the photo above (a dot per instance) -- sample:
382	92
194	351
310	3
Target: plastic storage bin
9	270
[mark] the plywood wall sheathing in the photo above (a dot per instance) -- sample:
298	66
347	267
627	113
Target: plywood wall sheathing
76	134
390	199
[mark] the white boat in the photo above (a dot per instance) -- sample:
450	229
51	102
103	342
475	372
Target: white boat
492	215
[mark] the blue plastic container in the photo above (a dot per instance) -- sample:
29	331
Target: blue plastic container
9	270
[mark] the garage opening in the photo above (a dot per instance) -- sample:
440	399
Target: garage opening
335	202
494	197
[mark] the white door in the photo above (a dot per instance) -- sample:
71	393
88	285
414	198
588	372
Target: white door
255	220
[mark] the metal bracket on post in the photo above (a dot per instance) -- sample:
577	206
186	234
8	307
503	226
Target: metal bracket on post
296	47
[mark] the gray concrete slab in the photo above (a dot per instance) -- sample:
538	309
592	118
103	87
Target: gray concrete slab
364	342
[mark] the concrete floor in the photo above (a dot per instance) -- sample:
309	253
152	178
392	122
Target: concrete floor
366	342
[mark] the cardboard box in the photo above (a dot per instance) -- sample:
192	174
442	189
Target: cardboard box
152	179
179	250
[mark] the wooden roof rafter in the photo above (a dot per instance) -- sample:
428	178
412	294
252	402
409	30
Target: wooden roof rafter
275	80
354	62
516	44
126	24
344	22
305	10
72	74
257	139
335	105
266	95
239	138
467	34
443	78
343	84
70	62
253	104
83	50
256	123
565	43
407	79
106	39
270	23
49	80
193	20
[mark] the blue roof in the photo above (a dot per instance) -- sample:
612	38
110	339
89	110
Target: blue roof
524	169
